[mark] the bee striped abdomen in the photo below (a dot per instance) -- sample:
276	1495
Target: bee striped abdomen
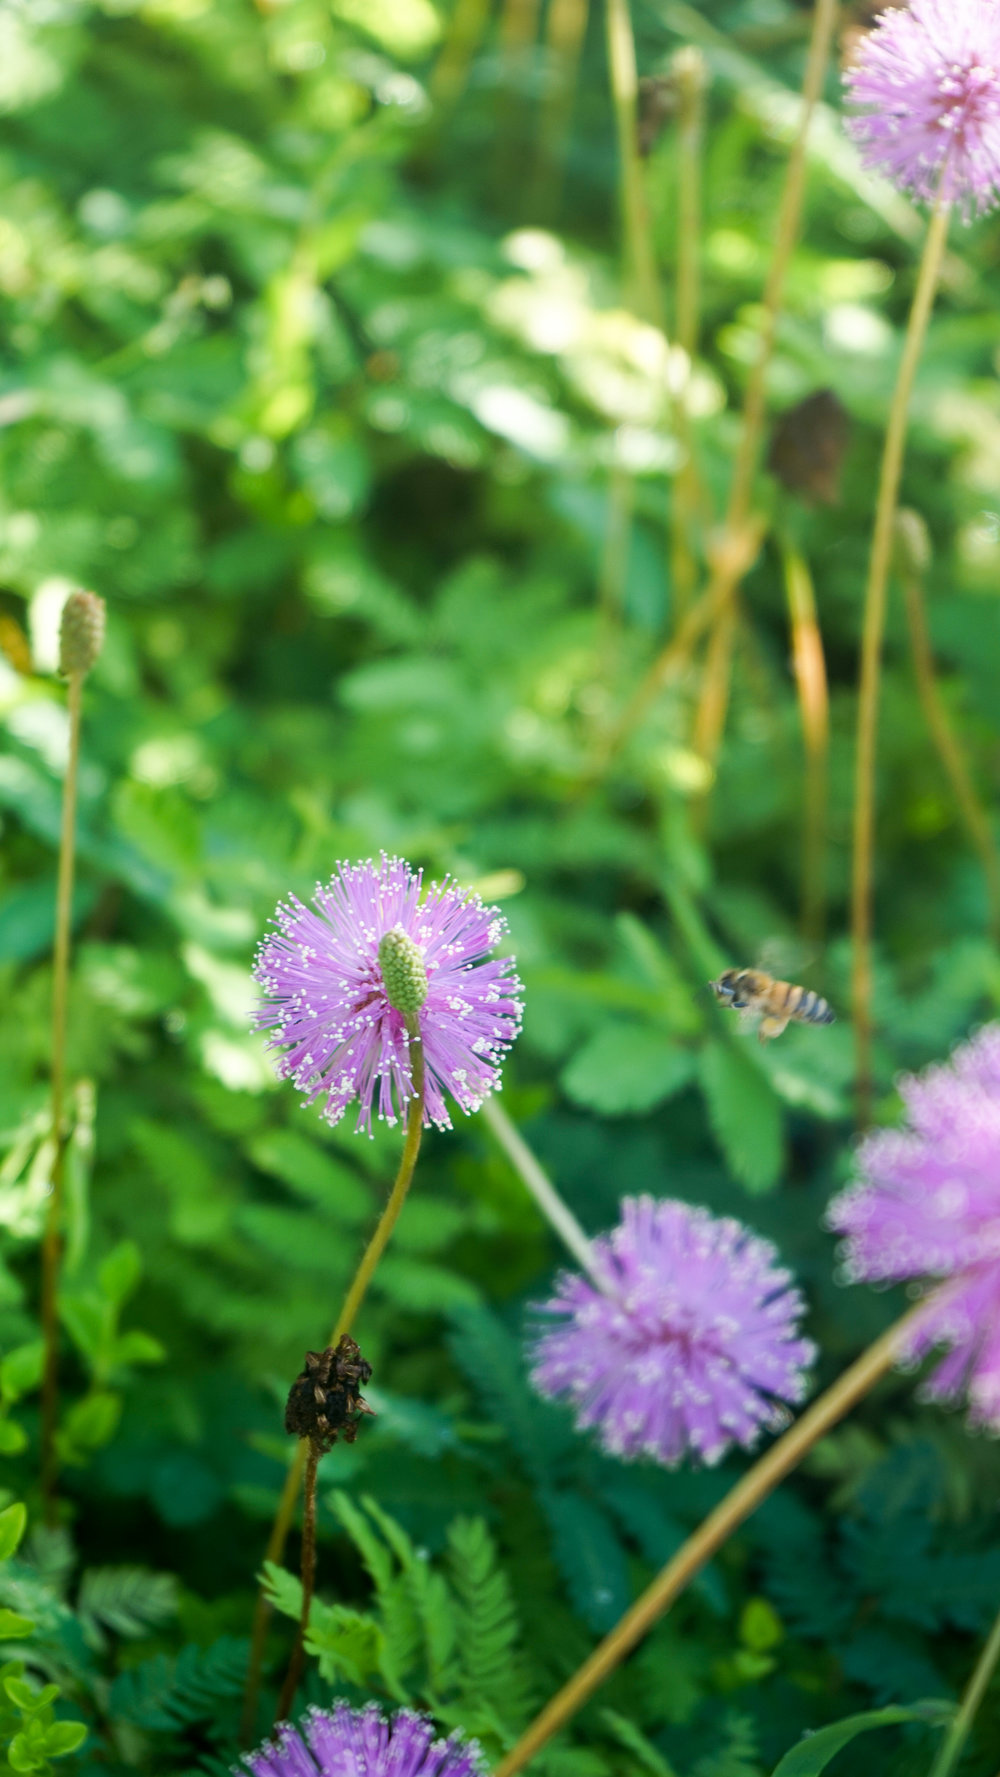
812	1008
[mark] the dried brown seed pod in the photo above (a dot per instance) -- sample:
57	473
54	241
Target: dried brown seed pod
808	447
325	1402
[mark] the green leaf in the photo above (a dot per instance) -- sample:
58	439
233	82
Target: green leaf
63	1737
347	1643
12	1625
22	1756
370	1547
13	1438
21	1369
814	1753
120	1272
590	1557
136	1347
744	1114
311	1172
760	1627
13	1520
627	1068
20	1693
488	1627
162	1695
127	1600
283	1590
635	1741
92	1422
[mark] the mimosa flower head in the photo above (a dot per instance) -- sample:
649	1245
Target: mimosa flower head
346	1742
925	86
347	982
926	1206
691	1346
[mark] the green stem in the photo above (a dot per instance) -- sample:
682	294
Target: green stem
728	563
641	281
744	1498
518	31
556	1212
873	625
689	78
463	38
736	548
710	720
957	1735
285	1513
565	30
52	1237
949	749
809	667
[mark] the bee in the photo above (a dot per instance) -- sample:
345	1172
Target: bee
775	1003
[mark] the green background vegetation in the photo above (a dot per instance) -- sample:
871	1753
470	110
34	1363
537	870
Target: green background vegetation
319	383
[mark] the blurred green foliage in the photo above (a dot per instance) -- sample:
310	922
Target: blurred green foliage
317	367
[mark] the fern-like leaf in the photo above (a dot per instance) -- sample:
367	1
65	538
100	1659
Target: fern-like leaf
590	1556
164	1695
737	1756
128	1601
493	1675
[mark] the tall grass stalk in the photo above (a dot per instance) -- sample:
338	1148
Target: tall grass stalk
743	1499
464	35
809	668
873	625
52	1237
448	80
953	1745
945	739
295	1664
642	284
353	1300
557	1213
642	291
689	80
710	718
565	30
735	549
518	41
81	638
729	558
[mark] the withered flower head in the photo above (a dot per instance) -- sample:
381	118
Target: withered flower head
808	447
325	1401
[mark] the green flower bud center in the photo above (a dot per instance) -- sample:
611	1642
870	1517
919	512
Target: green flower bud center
403	974
912	543
81	633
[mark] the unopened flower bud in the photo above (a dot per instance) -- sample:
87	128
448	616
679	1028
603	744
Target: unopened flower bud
81	633
689	72
911	543
403	974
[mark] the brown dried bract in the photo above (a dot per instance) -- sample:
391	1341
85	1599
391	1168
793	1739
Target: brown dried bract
808	447
657	104
325	1402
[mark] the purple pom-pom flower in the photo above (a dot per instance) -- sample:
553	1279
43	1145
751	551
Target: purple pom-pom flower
337	1033
689	1344
926	83
927	1206
345	1742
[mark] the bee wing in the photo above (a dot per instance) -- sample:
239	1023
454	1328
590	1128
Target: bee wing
748	1021
786	957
